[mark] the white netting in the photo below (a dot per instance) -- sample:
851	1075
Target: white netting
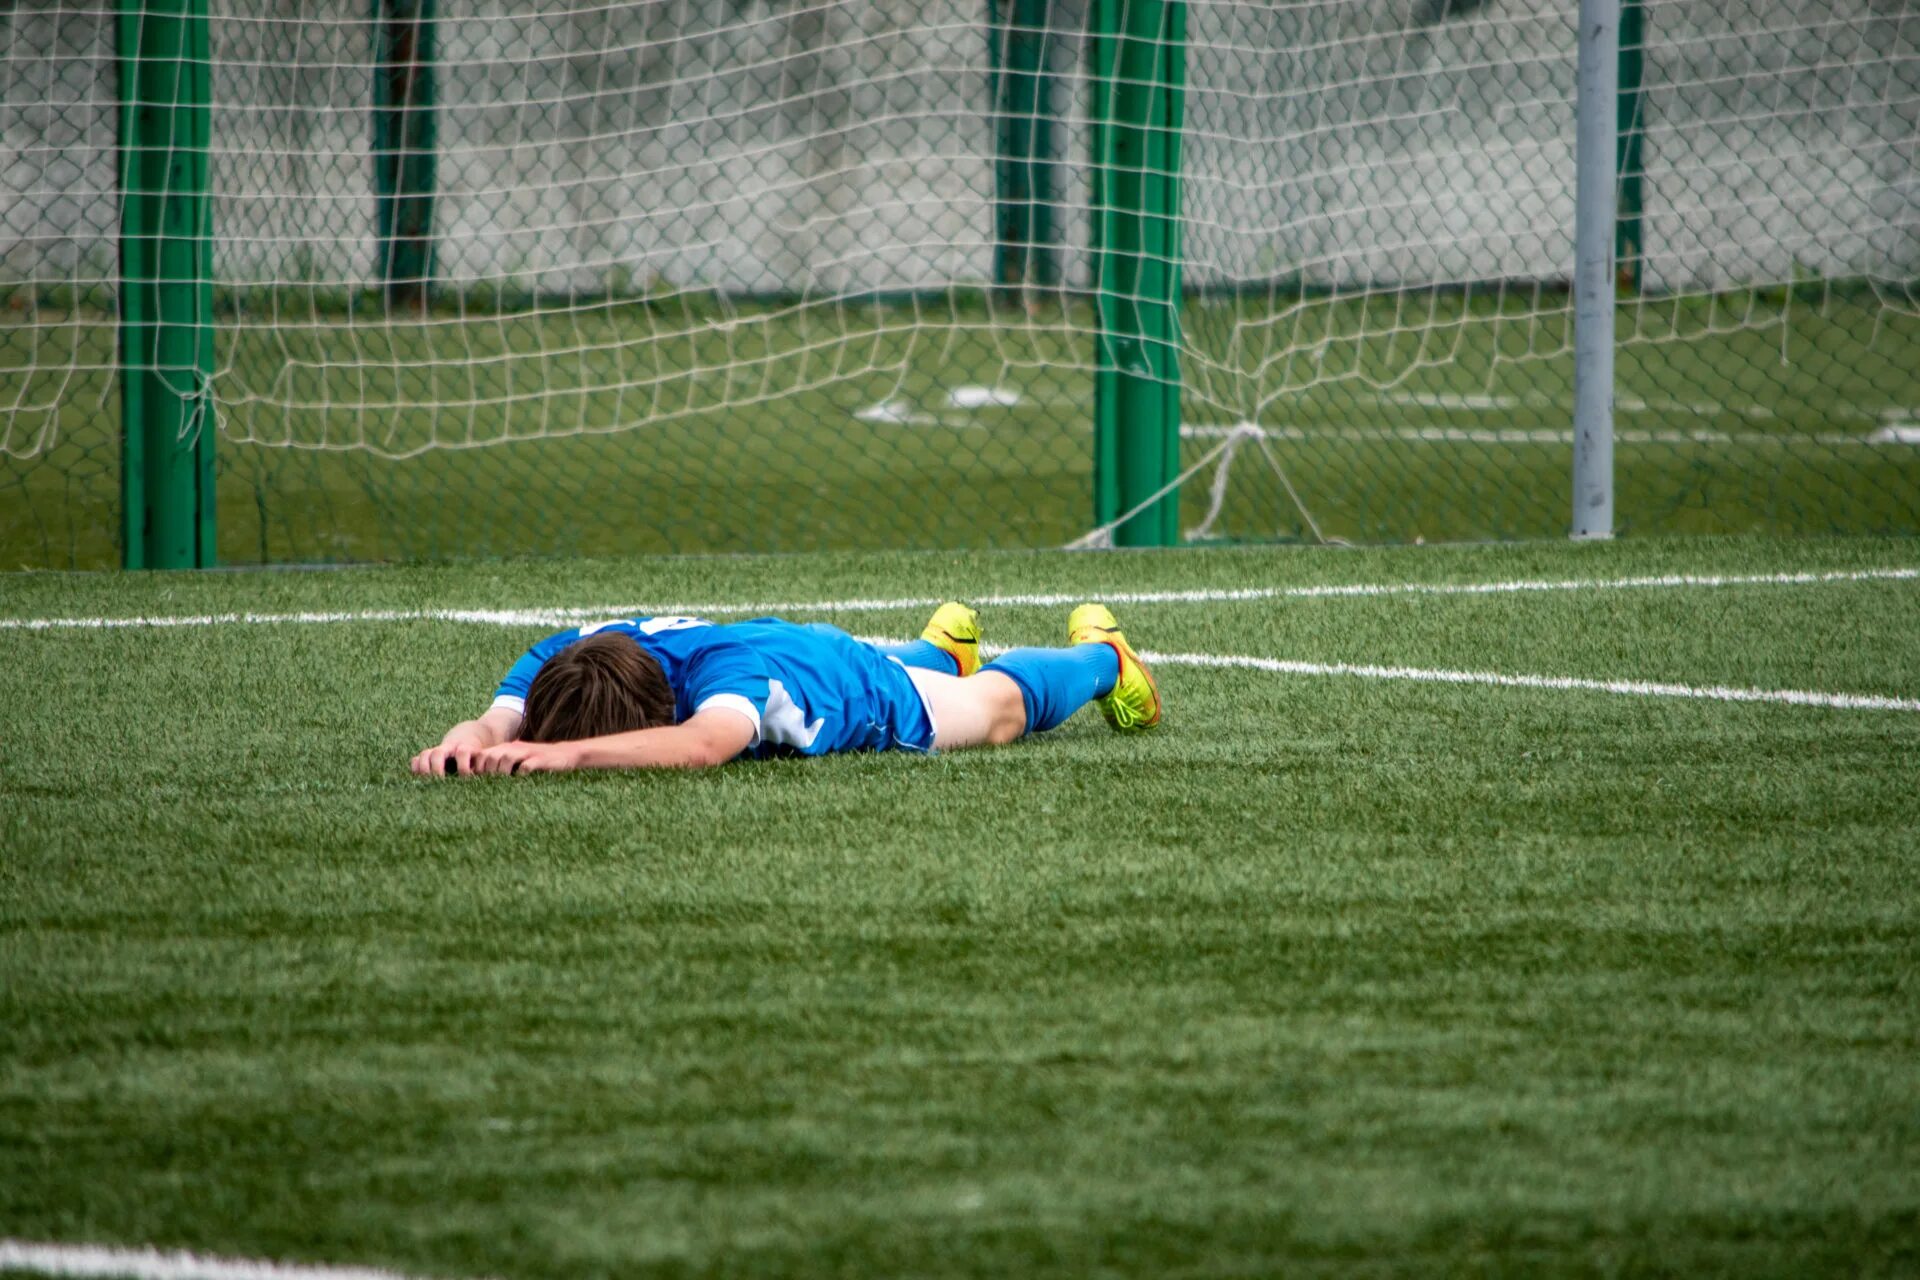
1782	144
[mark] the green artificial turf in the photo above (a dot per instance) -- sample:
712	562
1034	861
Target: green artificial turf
686	426
1329	976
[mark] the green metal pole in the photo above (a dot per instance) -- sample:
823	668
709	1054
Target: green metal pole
1139	86
1627	243
166	292
1102	46
1025	165
405	150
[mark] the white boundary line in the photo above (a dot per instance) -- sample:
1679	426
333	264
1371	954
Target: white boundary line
560	615
153	1264
1497	679
1631	688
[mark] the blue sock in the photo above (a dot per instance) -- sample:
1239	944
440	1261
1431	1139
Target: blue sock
1055	683
924	654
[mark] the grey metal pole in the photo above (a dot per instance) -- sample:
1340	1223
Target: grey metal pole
1595	139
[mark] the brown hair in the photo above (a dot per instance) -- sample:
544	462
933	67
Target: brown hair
605	683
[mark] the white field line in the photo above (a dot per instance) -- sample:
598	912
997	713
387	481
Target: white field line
1630	688
496	617
560	615
1500	679
152	1264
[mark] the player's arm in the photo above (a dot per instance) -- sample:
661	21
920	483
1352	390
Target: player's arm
501	722
704	739
466	740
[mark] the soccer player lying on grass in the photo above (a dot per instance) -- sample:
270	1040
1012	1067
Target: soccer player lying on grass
682	692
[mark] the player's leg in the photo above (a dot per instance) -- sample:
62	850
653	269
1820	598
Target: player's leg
1025	691
1032	690
950	643
1098	665
1055	683
985	709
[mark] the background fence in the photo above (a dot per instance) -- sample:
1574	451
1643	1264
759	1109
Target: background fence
730	274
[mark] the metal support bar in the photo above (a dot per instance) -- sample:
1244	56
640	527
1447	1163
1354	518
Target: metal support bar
1627	243
1025	170
405	154
1596	138
166	290
1139	54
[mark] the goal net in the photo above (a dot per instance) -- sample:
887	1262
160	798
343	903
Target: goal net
705	275
1379	222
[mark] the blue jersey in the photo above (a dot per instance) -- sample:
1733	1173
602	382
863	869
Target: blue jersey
809	690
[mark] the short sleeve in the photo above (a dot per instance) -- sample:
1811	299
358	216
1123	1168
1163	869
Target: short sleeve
512	693
723	672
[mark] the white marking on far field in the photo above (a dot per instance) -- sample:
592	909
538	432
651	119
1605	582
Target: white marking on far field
1463	400
983	397
895	411
564	614
1487	403
902	413
1555	436
1898	424
152	1264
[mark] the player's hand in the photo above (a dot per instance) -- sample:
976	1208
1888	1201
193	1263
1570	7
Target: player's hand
445	759
527	757
454	755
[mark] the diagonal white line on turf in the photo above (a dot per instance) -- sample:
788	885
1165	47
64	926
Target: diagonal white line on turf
1630	688
1499	679
152	1264
558	615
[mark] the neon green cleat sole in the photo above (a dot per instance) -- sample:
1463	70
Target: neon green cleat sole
954	630
1134	704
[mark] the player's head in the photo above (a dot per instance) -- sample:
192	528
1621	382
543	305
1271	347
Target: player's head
605	683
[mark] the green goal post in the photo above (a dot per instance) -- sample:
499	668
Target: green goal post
166	299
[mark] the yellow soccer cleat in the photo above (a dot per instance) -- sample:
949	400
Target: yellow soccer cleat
1134	703
954	630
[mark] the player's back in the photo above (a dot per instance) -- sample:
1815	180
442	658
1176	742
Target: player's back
830	692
